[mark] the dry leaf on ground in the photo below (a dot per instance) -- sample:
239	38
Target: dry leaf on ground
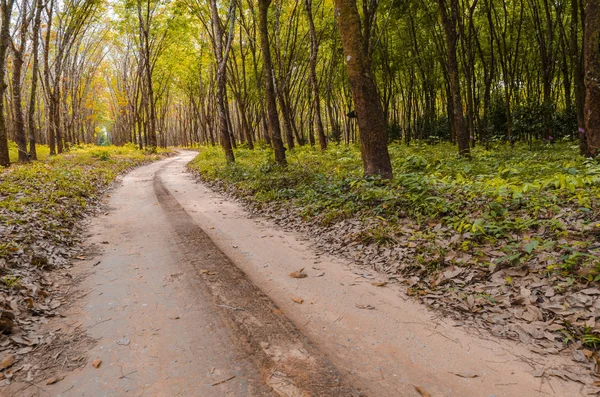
382	284
7	361
97	363
297	299
366	307
422	392
55	379
299	274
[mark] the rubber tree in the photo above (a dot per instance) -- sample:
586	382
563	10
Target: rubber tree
222	54
369	111
449	22
314	51
592	77
272	115
6	7
18	48
34	79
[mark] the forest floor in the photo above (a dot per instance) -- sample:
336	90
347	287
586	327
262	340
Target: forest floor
506	242
182	291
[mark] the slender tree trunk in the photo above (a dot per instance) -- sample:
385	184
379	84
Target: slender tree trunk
34	79
449	22
51	132
144	27
577	61
6	7
592	77
226	140
314	51
273	117
18	50
371	121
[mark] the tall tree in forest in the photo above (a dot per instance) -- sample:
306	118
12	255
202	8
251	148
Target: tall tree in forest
222	48
371	121
145	13
592	77
18	49
273	116
34	78
577	62
449	22
314	51
6	7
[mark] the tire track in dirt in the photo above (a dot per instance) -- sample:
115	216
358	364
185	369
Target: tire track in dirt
290	363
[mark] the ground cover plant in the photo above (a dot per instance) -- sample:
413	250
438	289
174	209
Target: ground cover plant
42	151
41	205
511	238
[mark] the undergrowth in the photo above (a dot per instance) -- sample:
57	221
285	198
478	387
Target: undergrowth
42	200
520	201
42	151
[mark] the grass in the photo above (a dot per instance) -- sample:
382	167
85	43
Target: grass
516	200
43	151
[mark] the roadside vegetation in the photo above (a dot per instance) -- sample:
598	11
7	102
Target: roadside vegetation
512	228
41	205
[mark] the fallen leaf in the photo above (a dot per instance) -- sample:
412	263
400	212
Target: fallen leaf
297	299
55	379
299	274
366	307
7	361
123	342
96	363
382	284
579	356
422	392
205	271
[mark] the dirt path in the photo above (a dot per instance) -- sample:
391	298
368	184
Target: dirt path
173	316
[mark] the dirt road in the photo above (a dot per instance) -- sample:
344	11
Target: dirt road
191	296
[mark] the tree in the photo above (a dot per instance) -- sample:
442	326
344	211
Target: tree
34	79
273	116
147	41
314	51
6	7
371	121
18	49
592	77
221	52
449	22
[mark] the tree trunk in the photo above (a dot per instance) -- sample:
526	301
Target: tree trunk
449	22
577	61
6	8
221	82
273	117
314	51
34	80
592	77
18	50
371	121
